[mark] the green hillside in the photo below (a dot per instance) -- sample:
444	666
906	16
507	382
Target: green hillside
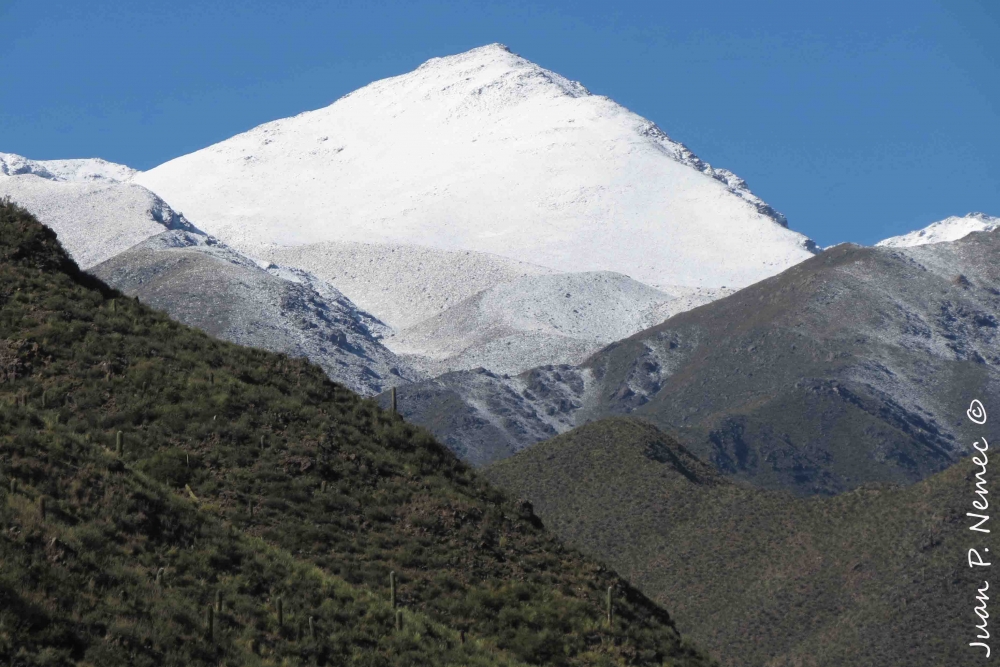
876	576
248	482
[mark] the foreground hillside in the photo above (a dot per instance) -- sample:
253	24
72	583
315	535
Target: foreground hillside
249	482
876	576
845	369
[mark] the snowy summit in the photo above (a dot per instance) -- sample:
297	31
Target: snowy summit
486	152
949	229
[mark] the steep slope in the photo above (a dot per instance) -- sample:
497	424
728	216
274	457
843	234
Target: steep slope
201	282
876	576
95	218
845	369
488	152
536	320
250	474
949	229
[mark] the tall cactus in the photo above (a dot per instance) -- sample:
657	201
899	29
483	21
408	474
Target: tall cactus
119	444
609	606
312	628
41	507
218	601
399	620
392	588
159	578
210	623
281	612
13	486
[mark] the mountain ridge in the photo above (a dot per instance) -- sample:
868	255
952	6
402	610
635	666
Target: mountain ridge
842	370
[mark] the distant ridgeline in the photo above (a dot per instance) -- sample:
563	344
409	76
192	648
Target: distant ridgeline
170	499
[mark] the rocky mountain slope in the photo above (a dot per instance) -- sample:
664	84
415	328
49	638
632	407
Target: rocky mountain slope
487	152
201	282
875	576
170	499
848	368
949	229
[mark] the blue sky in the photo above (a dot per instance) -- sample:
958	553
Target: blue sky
858	120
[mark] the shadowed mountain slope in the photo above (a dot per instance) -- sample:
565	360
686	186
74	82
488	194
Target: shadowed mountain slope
250	474
874	576
850	367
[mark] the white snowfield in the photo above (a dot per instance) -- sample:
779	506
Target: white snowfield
949	229
94	218
88	169
485	152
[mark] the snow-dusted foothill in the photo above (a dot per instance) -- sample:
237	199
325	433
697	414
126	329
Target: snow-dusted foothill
949	229
401	284
201	282
537	320
94	213
486	152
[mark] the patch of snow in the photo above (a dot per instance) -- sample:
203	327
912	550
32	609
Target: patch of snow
87	169
949	229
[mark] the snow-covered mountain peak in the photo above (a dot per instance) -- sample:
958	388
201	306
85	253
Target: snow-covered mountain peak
949	229
85	170
487	152
493	71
